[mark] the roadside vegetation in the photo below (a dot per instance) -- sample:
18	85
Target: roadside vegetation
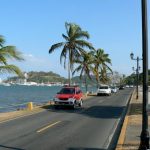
132	79
81	56
7	53
72	46
78	55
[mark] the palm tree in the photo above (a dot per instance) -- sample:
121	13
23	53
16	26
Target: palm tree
9	52
104	78
101	62
85	67
73	46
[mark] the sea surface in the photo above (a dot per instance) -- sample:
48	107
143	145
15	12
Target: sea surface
17	96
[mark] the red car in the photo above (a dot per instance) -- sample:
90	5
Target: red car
69	96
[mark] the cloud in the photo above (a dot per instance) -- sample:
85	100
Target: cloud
28	55
30	58
32	62
40	63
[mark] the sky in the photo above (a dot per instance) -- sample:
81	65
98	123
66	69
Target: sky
34	25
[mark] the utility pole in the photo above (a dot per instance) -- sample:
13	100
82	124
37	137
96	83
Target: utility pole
137	73
144	145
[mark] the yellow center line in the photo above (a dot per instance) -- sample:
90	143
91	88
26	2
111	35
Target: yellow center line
21	116
48	126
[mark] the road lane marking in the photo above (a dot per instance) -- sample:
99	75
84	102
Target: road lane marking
49	126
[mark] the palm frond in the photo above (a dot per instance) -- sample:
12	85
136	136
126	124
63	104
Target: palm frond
63	55
10	69
81	35
3	60
107	67
65	37
11	52
83	43
67	25
73	29
2	41
55	46
78	52
70	33
77	69
81	73
77	61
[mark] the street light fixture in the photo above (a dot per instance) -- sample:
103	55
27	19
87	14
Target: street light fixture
131	55
137	72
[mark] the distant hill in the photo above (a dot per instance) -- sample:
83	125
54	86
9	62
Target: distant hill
41	77
44	77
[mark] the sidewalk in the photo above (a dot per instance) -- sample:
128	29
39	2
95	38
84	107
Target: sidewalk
130	134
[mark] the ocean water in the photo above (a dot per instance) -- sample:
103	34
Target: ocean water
17	96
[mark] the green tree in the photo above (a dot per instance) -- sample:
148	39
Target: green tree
6	53
104	75
84	67
73	46
101	65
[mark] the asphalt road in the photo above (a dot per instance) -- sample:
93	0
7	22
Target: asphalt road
89	128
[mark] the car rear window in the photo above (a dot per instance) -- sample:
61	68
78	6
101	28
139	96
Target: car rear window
103	87
67	91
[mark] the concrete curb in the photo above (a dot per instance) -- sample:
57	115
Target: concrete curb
124	126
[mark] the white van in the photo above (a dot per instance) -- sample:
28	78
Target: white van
104	90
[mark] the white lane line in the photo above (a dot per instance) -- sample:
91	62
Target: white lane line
112	133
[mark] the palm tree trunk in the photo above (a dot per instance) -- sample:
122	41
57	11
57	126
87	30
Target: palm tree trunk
98	80
86	86
69	68
69	79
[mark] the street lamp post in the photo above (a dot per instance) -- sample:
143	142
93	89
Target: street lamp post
137	73
137	80
144	145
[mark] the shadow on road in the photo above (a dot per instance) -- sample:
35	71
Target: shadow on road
101	111
62	109
85	149
11	148
104	112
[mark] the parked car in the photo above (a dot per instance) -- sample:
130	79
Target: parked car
114	89
131	86
121	87
104	90
69	96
